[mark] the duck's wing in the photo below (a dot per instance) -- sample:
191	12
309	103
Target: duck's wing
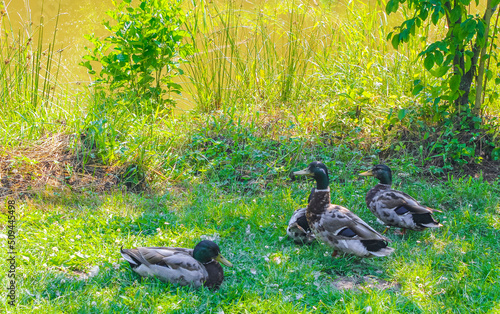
395	199
298	228
341	223
299	220
176	265
155	255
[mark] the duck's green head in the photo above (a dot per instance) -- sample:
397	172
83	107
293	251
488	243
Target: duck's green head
381	172
319	172
206	251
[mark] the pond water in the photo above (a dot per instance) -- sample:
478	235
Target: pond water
77	18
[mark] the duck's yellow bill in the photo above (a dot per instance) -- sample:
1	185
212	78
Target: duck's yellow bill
305	172
224	261
366	173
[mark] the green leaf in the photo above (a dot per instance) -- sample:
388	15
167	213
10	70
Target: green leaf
424	13
137	58
438	57
440	71
489	74
392	6
429	62
404	36
435	16
417	89
455	14
395	41
454	82
402	114
388	6
468	63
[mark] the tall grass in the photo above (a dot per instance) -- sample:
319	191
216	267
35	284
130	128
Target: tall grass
249	55
289	52
28	79
283	72
275	70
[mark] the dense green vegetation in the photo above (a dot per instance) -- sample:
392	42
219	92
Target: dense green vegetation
273	87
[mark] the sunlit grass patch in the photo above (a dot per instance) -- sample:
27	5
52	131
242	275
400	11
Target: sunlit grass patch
69	254
276	88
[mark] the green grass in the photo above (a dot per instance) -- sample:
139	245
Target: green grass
307	85
453	269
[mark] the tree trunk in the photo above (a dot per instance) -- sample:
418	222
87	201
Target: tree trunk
480	73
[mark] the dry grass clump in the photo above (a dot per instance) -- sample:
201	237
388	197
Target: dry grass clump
51	163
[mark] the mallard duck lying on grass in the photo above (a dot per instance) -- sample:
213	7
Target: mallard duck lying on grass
336	225
298	227
196	267
395	208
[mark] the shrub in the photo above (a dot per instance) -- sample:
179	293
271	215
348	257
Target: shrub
142	56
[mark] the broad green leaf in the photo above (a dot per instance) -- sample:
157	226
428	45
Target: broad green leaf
392	6
395	41
402	114
137	58
388	6
489	74
471	26
468	63
435	16
417	89
439	72
404	36
455	14
454	82
429	61
424	13
438	57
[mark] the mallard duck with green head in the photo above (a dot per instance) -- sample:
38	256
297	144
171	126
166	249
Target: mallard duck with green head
196	267
298	228
336	225
395	208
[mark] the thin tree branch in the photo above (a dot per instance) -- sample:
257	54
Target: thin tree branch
480	73
489	59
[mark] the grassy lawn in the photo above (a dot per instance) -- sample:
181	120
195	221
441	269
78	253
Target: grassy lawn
63	237
270	88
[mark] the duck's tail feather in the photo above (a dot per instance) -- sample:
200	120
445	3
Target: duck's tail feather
128	255
426	220
432	225
433	209
382	252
